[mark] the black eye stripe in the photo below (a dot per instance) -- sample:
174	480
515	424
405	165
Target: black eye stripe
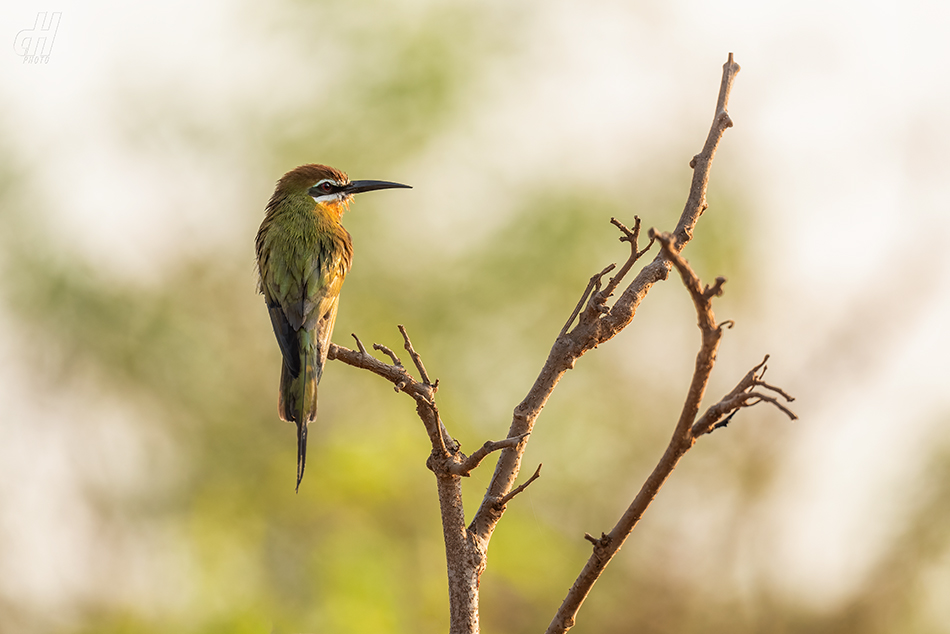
324	188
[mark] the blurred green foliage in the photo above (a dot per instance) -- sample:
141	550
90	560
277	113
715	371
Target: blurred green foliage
359	549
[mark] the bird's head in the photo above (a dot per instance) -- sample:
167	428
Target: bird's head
330	188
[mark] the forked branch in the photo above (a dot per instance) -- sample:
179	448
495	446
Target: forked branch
742	395
685	433
591	323
465	555
628	236
466	466
599	324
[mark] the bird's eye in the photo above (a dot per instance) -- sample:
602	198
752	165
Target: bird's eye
325	187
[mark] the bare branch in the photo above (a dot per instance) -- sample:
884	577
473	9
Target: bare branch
777	390
628	236
770	399
680	443
631	237
465	467
395	374
500	504
590	324
715	290
464	557
416	359
389	353
702	296
569	346
621	314
626	306
711	333
402	381
359	344
742	395
593	284
599	542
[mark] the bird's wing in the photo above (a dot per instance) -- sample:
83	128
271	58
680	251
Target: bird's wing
283	283
303	292
286	338
324	331
321	315
284	330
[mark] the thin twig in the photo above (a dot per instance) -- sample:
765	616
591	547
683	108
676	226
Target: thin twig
466	548
465	467
777	390
511	494
631	237
599	542
619	316
742	395
770	399
569	346
466	561
416	359
715	290
628	235
359	344
702	296
389	353
593	284
396	374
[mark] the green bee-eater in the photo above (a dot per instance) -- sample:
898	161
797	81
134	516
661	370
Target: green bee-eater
303	254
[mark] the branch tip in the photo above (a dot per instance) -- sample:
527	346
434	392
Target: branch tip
632	236
416	358
389	353
774	401
777	390
592	285
715	290
359	344
599	542
646	248
628	235
466	466
503	501
607	546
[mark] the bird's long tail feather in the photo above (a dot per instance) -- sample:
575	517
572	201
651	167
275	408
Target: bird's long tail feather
302	420
298	398
301	451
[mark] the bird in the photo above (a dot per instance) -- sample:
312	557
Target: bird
303	256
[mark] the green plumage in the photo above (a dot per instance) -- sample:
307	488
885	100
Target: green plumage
303	255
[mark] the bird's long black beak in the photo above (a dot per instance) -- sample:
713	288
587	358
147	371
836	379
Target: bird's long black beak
356	187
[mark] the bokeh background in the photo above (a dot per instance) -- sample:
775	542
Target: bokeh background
146	484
